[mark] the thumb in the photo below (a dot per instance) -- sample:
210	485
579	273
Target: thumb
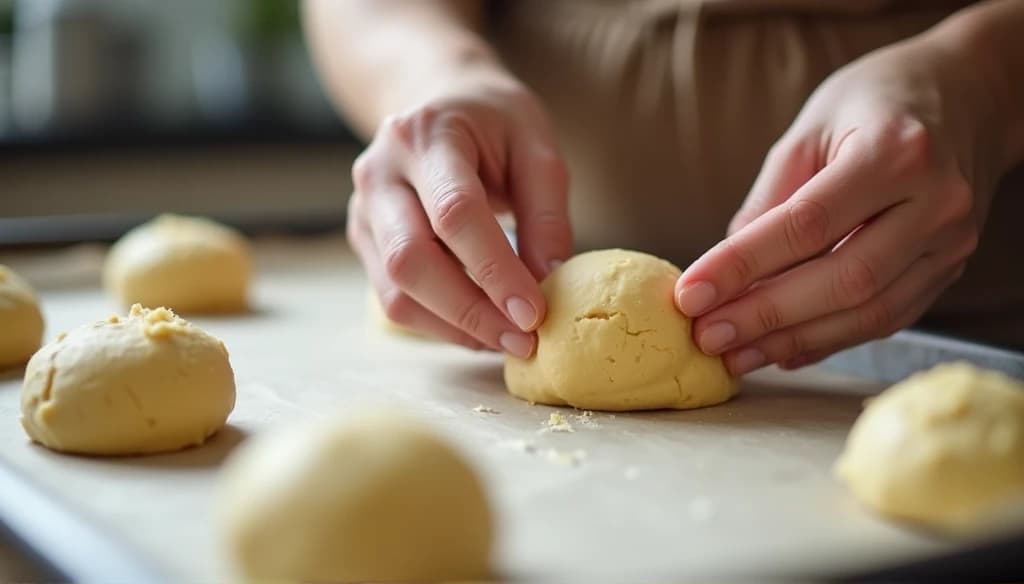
539	191
786	168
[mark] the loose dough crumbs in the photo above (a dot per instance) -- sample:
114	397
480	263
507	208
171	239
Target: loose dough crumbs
481	409
586	418
557	422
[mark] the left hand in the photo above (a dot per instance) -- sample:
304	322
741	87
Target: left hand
863	213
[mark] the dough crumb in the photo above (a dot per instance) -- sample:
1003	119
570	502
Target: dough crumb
557	422
113	319
586	418
482	409
61	336
160	323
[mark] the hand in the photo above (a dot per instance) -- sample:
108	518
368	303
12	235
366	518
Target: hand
863	213
422	218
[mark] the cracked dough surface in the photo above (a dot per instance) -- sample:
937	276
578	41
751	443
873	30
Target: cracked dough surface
614	340
21	322
151	382
944	447
188	264
375	499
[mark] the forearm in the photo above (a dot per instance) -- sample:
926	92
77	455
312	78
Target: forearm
990	35
378	57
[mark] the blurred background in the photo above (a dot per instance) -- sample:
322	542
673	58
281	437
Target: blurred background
113	110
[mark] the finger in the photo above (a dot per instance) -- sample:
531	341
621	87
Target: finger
456	205
401	309
418	265
898	307
539	185
786	168
866	263
823	211
398	308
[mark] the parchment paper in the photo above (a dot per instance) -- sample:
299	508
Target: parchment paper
740	490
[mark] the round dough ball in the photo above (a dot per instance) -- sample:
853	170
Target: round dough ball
22	329
378	499
148	383
614	340
943	448
188	264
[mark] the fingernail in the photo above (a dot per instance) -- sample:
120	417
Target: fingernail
522	312
716	337
696	298
746	361
553	265
516	343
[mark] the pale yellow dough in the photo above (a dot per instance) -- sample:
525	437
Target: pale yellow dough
375	499
614	340
151	382
188	264
944	448
21	322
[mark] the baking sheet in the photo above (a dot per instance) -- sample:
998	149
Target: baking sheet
742	490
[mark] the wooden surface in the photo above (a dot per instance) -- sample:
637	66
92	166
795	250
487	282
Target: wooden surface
740	490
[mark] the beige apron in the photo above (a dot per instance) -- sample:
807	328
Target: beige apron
666	108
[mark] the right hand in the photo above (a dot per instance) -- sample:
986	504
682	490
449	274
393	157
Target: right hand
422	217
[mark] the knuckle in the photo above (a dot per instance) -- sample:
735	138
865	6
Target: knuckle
549	221
876	319
398	307
400	256
453	209
855	282
769	316
807	227
551	165
487	273
970	245
362	171
471	318
792	345
959	198
910	145
741	262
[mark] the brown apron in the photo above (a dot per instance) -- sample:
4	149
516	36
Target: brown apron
666	108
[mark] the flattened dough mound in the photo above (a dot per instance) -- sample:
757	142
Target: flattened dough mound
614	340
943	448
148	383
21	322
189	264
378	499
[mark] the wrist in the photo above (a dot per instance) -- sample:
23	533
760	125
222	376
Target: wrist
992	67
469	64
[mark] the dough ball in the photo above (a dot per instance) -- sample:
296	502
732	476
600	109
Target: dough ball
148	383
21	322
943	448
376	499
189	264
614	340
